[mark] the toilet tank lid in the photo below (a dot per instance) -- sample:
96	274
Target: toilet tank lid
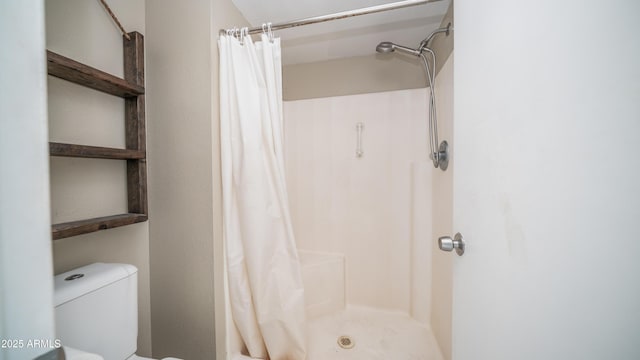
83	280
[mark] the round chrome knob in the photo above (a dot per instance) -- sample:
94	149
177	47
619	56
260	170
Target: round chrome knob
446	243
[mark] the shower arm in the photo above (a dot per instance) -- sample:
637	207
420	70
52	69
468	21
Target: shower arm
425	43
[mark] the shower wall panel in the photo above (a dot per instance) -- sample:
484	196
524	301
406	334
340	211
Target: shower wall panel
364	206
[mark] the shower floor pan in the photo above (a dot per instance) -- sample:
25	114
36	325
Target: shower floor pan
374	334
346	332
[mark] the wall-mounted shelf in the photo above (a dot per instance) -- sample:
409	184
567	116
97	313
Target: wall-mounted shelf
81	74
131	88
73	228
96	152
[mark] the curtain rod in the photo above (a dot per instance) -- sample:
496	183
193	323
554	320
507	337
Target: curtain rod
339	15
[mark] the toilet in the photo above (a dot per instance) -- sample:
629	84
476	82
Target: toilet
96	310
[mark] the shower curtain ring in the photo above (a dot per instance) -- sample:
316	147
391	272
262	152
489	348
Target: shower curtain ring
244	33
270	33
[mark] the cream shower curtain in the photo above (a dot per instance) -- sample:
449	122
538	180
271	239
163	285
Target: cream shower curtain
265	283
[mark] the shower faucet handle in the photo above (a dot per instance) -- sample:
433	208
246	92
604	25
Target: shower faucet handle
446	243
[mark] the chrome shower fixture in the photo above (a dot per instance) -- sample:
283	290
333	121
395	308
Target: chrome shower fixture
439	152
389	47
425	43
386	47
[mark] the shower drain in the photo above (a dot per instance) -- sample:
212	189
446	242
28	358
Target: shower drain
345	342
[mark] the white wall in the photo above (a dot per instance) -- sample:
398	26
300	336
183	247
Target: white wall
362	207
546	181
86	188
26	277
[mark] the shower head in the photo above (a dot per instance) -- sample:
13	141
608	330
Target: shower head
389	47
385	47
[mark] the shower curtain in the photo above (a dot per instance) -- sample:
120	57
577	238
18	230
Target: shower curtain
264	278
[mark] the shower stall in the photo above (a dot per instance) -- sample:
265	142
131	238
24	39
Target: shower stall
368	186
364	225
361	178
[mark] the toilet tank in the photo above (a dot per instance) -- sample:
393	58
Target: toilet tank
96	309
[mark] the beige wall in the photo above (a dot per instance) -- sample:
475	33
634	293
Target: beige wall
363	74
356	75
184	180
84	188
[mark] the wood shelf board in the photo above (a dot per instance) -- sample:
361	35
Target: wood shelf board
73	228
81	74
86	151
